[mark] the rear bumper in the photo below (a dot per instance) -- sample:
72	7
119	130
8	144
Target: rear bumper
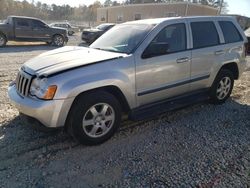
51	113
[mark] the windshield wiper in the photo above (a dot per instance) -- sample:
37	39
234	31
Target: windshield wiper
109	50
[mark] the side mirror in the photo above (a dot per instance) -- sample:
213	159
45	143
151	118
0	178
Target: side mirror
155	49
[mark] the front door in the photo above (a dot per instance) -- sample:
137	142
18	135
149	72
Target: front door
163	70
23	29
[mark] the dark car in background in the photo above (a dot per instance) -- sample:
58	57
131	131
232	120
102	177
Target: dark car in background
90	35
247	33
71	29
28	29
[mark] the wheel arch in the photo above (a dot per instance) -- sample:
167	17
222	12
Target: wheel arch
233	67
114	90
57	34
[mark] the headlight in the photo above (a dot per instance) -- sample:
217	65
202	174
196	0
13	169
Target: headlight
41	89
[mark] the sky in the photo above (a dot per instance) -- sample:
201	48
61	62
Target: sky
241	7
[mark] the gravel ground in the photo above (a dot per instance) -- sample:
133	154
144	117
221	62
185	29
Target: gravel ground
199	146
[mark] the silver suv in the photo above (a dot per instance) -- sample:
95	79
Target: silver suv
139	68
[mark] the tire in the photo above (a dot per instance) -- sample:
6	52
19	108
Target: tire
70	33
222	87
3	40
48	43
58	40
94	118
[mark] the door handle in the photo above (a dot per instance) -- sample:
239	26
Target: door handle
183	60
219	52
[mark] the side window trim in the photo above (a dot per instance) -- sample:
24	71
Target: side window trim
186	37
221	36
191	33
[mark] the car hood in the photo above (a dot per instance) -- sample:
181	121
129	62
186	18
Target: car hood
3	25
66	58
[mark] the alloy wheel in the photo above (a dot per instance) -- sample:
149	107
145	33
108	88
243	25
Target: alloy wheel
223	88
58	41
98	120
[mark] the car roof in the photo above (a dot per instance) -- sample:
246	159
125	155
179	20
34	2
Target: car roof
60	23
155	21
26	17
108	24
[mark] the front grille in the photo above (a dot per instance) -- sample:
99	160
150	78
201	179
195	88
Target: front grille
23	82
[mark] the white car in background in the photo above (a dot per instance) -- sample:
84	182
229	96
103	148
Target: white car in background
71	29
247	33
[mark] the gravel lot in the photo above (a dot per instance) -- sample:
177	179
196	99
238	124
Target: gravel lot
199	146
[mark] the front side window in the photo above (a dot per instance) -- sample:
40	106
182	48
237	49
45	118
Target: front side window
204	34
38	24
174	36
230	32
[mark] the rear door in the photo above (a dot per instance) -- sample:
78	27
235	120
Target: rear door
207	52
23	29
40	30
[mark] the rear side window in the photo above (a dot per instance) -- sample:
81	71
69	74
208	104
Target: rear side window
204	34
230	32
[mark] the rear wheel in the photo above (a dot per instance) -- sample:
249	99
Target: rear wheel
58	40
222	87
3	40
94	118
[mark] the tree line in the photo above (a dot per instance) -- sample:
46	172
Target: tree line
80	13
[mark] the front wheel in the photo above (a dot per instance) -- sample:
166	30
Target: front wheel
70	33
94	117
3	40
58	40
222	87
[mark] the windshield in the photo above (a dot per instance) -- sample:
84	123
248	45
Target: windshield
102	26
122	38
